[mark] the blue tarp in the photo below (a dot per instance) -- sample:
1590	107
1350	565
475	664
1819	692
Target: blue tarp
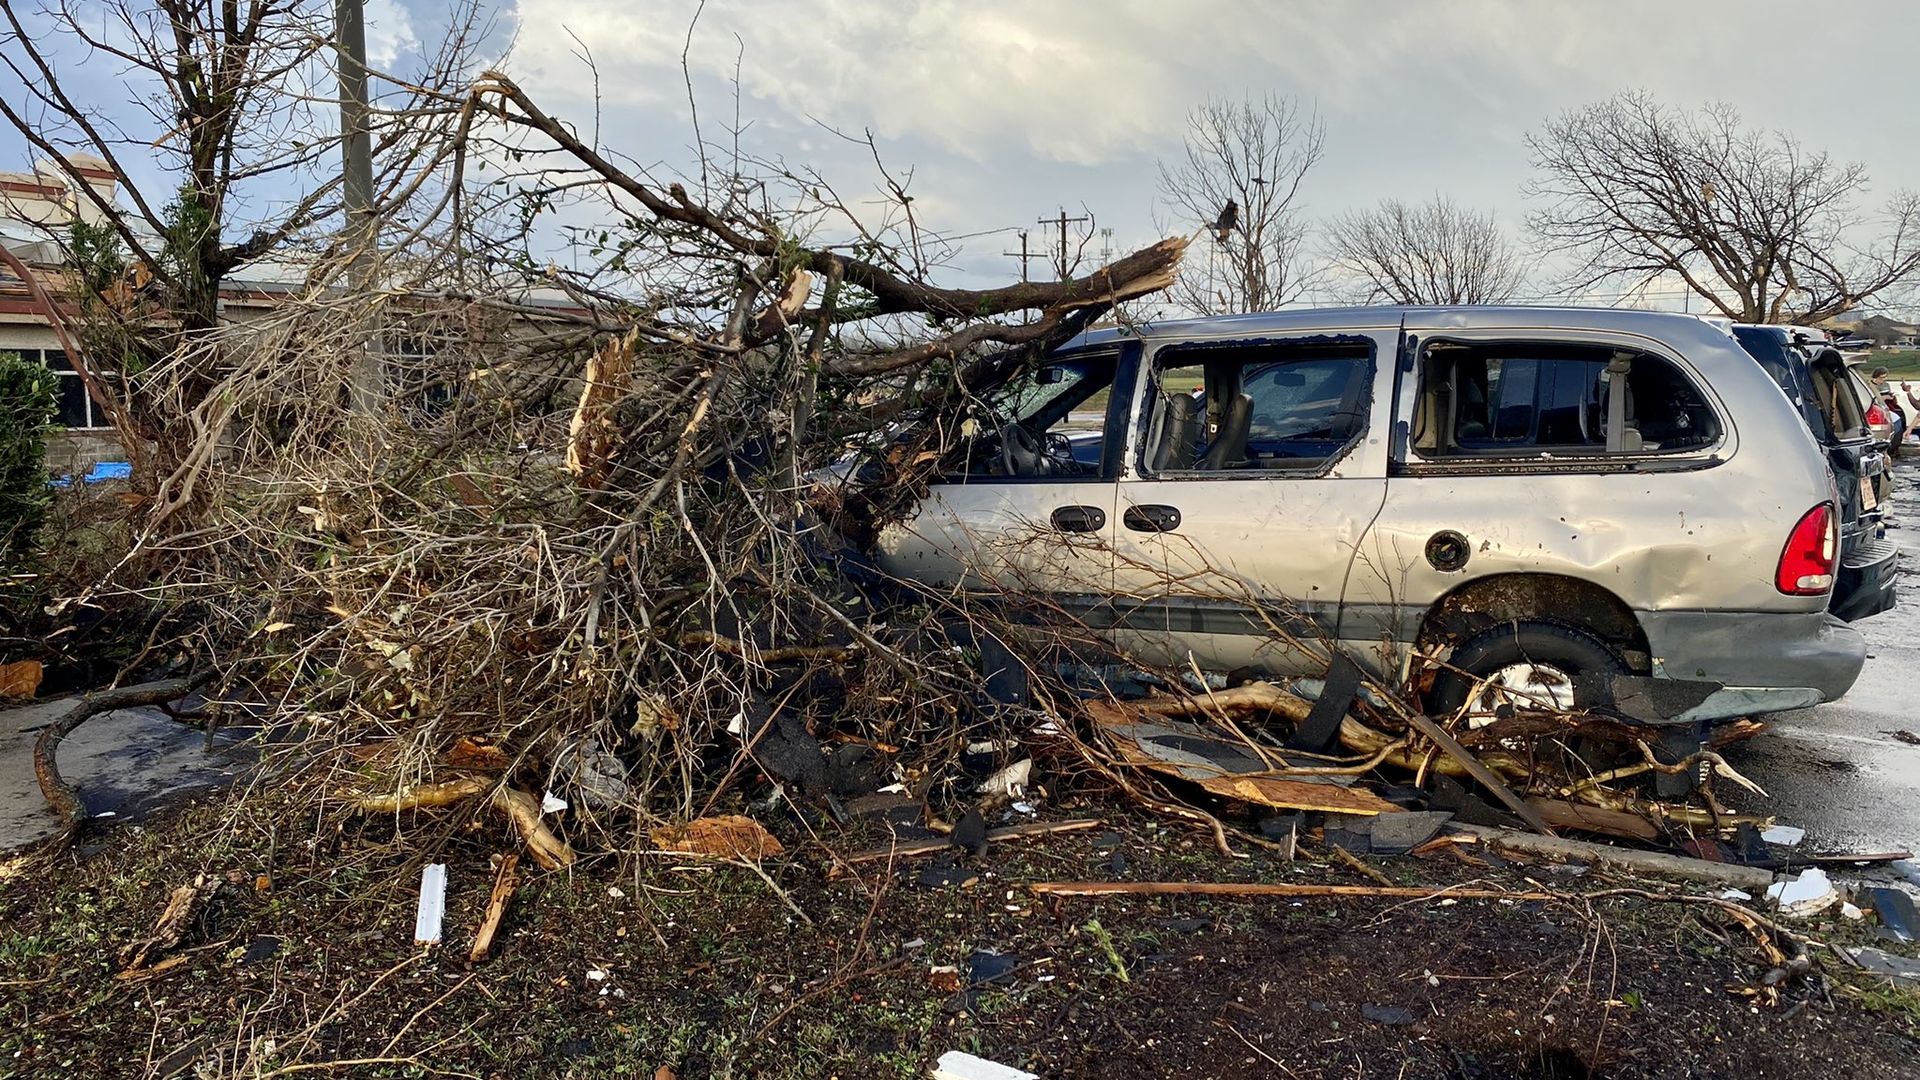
102	470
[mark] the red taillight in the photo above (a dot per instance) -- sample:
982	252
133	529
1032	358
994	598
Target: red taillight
1806	566
1877	416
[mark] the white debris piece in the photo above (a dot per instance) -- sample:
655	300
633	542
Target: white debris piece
1784	835
551	803
1809	894
1735	894
433	904
959	1065
1848	911
738	725
1011	781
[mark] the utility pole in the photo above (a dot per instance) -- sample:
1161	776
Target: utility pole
1063	265
356	174
1023	255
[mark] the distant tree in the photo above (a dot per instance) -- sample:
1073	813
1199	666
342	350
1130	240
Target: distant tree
1437	252
1240	175
1760	226
232	106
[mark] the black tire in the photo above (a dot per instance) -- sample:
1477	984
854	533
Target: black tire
1570	648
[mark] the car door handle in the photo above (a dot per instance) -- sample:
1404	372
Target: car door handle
1080	519
1151	517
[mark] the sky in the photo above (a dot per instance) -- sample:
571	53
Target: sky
1004	111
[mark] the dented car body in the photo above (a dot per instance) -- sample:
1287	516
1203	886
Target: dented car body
1462	481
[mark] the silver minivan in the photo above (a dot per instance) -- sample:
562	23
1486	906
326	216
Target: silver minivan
1534	496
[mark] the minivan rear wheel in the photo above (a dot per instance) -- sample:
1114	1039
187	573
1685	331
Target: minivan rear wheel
1533	658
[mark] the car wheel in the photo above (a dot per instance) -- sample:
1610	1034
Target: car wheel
1530	658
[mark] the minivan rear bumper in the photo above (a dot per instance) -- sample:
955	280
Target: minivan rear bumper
1865	586
1766	661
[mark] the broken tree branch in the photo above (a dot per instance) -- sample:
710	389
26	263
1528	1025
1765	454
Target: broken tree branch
1258	888
59	792
504	880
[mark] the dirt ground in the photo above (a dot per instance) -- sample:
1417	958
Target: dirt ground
305	965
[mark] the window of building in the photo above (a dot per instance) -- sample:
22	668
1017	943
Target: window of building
1522	398
1257	406
77	410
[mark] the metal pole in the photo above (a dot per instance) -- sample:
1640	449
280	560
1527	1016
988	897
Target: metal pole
356	172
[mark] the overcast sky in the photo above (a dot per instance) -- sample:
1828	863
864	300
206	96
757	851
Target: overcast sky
1005	110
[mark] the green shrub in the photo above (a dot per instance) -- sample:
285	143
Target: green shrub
29	397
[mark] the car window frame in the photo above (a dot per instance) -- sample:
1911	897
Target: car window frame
1114	424
1410	460
1360	403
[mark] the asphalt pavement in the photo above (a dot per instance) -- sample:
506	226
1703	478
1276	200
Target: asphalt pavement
124	764
1843	771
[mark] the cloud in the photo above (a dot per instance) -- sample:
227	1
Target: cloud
389	32
1012	107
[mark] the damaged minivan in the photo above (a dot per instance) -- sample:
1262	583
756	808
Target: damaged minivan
1543	499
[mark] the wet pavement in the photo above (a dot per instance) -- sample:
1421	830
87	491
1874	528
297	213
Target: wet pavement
124	764
1840	771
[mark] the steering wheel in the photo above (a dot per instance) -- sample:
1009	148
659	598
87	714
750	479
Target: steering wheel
1020	451
1060	454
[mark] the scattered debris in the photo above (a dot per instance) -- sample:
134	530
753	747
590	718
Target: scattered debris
1629	859
428	796
1809	894
1881	962
1257	888
592	774
970	833
945	876
1479	772
551	852
985	966
1901	734
183	908
1784	835
1397	834
959	1065
1187	751
505	877
1896	911
262	948
1010	782
1350	862
551	803
1026	830
1391	1015
725	836
433	904
20	679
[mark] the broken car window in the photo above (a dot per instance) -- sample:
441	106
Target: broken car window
1047	421
1278	405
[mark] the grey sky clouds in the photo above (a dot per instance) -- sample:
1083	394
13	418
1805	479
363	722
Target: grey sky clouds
1005	110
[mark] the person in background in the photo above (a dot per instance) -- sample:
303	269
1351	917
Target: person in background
1887	397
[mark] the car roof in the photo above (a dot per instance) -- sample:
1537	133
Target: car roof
1334	319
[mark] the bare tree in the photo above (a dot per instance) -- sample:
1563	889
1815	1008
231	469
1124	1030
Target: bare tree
1761	226
1435	253
1241	173
233	104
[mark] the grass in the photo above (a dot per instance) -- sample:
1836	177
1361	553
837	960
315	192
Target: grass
1898	362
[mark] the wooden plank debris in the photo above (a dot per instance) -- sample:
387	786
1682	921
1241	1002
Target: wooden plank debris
1479	772
504	879
1192	753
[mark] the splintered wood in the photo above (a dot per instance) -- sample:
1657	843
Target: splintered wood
183	907
504	881
726	836
1142	738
